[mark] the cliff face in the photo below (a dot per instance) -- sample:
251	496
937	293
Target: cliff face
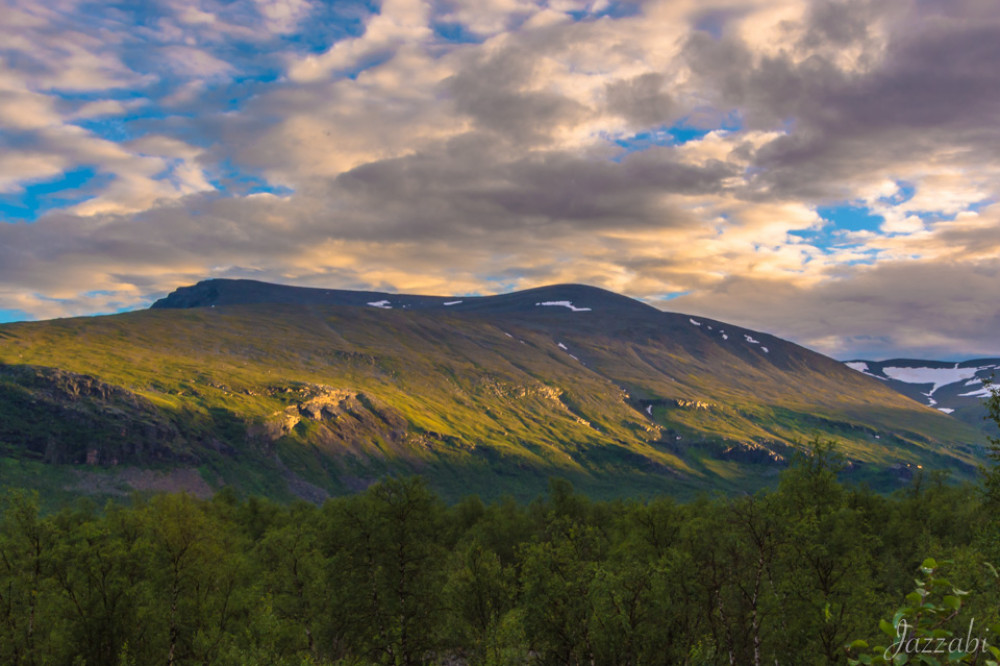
63	417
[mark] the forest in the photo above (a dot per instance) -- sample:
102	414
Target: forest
811	572
395	576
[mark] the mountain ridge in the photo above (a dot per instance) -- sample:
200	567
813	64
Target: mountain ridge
306	398
223	291
953	387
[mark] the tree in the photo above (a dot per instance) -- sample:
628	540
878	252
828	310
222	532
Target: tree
199	577
923	630
481	594
26	543
386	572
823	577
291	566
100	567
991	481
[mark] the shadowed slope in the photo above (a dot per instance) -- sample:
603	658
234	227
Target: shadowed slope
315	395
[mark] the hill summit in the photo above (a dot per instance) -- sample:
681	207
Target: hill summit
306	392
568	297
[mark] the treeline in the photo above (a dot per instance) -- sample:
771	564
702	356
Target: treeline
394	576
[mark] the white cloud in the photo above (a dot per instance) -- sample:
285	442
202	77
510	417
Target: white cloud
195	63
416	163
283	16
399	22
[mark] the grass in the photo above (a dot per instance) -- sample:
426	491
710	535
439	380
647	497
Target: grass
481	412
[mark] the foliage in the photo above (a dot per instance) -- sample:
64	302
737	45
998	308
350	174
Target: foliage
393	575
925	629
991	481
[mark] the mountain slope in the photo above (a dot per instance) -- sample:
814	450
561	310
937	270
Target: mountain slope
953	388
307	392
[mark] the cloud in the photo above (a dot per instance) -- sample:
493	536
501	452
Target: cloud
398	23
192	62
663	147
925	309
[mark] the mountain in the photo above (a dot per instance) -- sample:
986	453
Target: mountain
295	392
953	388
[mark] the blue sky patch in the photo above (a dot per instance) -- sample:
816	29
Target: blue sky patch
134	124
839	219
851	218
329	23
904	194
644	140
669	296
456	33
811	236
933	215
111	129
615	10
7	316
70	188
677	134
683	131
683	134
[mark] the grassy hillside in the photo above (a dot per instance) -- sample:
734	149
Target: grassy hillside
305	400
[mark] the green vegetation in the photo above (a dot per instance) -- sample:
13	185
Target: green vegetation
921	630
801	557
393	575
312	401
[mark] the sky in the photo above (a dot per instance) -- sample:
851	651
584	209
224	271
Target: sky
826	171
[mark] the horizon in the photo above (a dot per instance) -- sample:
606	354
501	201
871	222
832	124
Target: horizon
956	360
821	171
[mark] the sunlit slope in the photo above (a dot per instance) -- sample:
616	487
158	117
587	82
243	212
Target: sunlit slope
481	396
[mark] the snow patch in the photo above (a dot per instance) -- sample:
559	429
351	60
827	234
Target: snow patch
937	376
946	410
564	304
562	346
750	339
381	304
724	336
766	350
984	392
451	303
863	368
696	323
649	410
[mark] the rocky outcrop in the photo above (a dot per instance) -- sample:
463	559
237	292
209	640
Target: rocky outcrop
341	421
691	404
62	417
753	453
